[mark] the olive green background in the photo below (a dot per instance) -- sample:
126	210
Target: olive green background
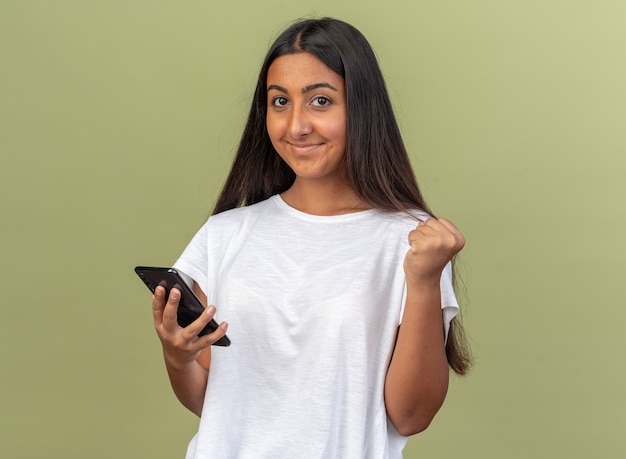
118	122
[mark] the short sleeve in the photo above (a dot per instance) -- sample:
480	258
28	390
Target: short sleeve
193	262
449	303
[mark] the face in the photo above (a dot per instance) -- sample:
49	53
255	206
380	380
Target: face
306	116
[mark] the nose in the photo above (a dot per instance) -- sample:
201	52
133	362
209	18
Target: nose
299	122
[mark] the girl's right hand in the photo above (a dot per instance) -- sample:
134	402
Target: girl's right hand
181	346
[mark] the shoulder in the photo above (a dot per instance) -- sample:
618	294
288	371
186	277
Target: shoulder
402	219
240	220
241	214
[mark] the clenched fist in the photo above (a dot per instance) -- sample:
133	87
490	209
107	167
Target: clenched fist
433	244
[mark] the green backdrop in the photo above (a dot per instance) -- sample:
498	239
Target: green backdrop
118	122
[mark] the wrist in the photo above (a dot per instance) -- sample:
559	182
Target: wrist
424	282
424	292
177	364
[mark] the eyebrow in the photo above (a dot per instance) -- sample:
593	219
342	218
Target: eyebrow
306	89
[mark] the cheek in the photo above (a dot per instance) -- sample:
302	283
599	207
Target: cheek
273	132
336	131
273	127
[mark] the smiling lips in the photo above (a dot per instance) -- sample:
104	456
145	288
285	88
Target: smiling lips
303	148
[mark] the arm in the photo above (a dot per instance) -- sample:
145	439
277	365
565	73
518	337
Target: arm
417	379
187	356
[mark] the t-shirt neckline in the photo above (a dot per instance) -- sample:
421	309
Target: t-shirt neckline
278	199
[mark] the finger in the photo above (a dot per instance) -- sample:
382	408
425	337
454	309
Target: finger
422	229
440	226
194	328
158	303
423	224
451	227
170	311
214	336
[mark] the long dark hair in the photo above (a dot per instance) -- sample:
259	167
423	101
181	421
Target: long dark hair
376	162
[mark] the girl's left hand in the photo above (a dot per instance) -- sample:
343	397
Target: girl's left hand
433	244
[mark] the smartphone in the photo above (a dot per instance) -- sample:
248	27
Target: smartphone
189	307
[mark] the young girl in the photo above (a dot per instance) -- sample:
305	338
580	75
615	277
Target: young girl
326	262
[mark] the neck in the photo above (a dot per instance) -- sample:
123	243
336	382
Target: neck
323	199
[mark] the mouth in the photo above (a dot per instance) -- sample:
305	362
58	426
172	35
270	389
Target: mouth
303	147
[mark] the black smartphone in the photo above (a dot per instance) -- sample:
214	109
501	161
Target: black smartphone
189	307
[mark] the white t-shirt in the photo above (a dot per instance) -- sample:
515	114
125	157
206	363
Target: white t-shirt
313	305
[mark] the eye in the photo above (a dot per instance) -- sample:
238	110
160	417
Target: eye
279	101
321	101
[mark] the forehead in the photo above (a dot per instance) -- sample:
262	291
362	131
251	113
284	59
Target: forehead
300	70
